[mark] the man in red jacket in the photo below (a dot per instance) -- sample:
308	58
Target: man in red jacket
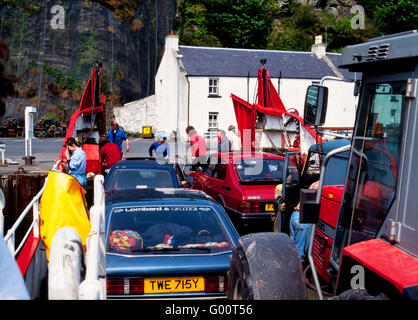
197	145
109	153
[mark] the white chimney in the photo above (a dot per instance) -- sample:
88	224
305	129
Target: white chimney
172	42
318	48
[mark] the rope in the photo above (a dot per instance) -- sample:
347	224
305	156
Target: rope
74	276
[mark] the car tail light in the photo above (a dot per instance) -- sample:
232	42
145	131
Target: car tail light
250	206
245	207
125	286
255	207
216	284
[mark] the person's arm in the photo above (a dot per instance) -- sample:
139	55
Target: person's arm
127	145
75	161
167	151
151	147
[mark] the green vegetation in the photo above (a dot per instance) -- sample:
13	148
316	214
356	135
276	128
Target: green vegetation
392	16
63	81
263	24
226	23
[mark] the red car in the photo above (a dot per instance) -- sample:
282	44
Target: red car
243	183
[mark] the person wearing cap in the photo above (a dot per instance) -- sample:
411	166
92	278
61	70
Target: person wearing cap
233	138
161	147
117	135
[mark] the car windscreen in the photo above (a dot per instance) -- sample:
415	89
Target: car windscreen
155	229
140	179
259	170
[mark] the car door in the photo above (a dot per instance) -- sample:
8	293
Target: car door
207	180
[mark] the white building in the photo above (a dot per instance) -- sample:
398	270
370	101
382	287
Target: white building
193	87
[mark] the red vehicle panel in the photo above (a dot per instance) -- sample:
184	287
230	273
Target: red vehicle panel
385	260
325	231
330	204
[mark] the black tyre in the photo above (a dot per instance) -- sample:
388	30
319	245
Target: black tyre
266	266
358	294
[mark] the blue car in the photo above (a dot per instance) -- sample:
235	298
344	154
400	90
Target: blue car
167	243
144	173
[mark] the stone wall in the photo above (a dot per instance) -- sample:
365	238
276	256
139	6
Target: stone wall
134	115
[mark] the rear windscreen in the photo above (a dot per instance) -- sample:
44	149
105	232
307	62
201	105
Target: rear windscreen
140	179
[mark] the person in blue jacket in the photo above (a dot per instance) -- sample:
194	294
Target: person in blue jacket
76	161
161	147
117	135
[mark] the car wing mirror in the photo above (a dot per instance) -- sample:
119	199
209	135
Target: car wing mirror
309	212
316	101
309	208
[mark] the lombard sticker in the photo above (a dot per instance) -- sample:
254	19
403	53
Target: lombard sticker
160	209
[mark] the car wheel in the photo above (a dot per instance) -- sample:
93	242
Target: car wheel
266	266
236	282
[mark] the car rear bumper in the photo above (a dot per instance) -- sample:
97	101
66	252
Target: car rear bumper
252	215
172	296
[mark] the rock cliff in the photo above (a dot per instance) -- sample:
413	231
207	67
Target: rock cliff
54	43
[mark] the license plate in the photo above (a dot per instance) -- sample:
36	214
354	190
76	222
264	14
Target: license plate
269	207
167	285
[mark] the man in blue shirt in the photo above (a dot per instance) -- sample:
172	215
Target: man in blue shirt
162	150
117	135
224	145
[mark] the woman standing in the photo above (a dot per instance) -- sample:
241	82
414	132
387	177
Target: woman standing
76	161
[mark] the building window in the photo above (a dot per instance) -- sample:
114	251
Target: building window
213	121
213	86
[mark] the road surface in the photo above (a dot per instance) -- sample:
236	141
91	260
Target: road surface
47	150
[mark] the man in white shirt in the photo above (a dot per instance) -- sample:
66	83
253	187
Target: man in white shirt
233	137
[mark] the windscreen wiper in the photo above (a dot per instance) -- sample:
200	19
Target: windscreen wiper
196	248
156	249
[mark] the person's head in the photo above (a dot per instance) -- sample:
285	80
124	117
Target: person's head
72	144
102	141
231	128
161	137
221	134
115	125
190	130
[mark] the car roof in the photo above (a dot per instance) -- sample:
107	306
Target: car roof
328	146
246	155
158	194
144	162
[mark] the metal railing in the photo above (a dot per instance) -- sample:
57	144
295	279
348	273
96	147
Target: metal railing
34	205
93	287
